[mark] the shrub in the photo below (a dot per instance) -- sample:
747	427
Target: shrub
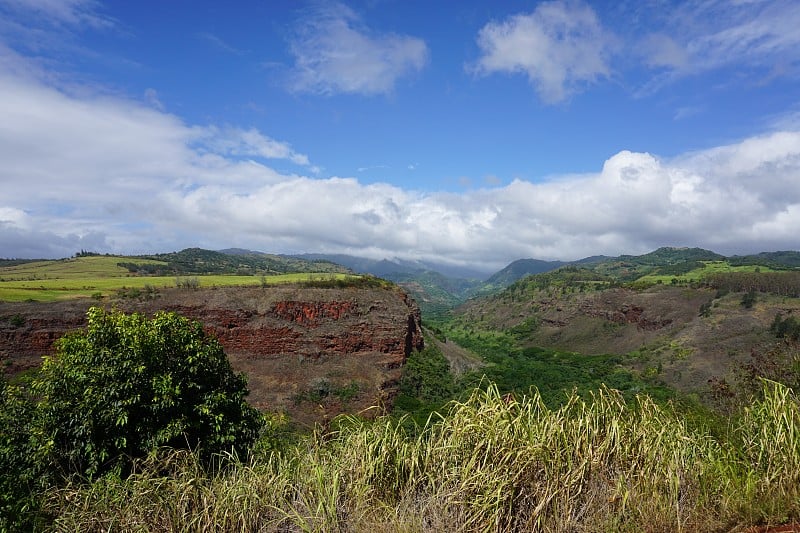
748	299
187	283
127	385
22	477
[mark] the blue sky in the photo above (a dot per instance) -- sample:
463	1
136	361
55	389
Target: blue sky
464	132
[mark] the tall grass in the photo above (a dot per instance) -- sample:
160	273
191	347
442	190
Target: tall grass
492	463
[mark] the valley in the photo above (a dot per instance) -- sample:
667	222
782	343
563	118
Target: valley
310	352
659	314
666	349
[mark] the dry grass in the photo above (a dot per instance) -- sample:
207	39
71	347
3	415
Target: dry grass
491	464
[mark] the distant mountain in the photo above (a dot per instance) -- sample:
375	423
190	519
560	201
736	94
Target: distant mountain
669	255
437	287
667	260
592	259
389	268
240	251
776	260
521	268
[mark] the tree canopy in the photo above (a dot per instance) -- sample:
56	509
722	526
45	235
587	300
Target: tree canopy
127	384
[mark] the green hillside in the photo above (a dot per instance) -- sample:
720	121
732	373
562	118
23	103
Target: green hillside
434	292
199	261
671	265
681	327
521	268
775	260
100	276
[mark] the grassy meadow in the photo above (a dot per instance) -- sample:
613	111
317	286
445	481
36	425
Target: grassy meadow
697	274
101	276
490	463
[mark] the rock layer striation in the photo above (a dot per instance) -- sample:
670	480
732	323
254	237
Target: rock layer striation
312	352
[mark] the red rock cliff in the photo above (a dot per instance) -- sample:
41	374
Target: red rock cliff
299	346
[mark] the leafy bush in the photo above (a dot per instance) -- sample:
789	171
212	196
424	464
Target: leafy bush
748	299
187	283
22	476
786	327
322	390
127	384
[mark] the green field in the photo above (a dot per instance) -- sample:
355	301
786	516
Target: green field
711	267
73	268
46	281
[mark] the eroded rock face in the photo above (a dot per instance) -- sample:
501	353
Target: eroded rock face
626	314
300	347
311	313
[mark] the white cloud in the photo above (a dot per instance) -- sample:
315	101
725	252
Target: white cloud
219	44
115	175
60	12
686	112
232	141
151	97
661	50
703	36
372	167
560	46
13	216
335	53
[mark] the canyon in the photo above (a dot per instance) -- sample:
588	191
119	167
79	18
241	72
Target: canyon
309	352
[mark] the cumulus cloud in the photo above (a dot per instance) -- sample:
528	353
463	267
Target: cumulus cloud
335	53
560	46
116	175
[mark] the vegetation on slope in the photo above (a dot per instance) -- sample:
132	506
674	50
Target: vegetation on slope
113	392
199	261
519	269
775	260
435	293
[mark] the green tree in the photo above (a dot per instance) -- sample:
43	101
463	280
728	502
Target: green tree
127	384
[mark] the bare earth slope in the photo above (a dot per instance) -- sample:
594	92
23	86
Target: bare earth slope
312	352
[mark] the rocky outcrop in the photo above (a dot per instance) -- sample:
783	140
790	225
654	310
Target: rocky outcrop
287	340
626	314
311	313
